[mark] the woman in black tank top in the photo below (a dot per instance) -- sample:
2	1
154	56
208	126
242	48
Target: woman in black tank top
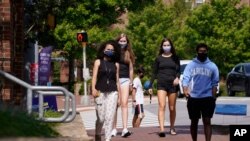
106	87
126	78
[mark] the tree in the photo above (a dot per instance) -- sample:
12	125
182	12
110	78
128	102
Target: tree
72	16
94	16
148	27
224	26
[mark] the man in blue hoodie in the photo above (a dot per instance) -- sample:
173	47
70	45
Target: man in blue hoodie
200	81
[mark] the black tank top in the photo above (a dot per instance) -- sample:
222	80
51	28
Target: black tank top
123	69
106	77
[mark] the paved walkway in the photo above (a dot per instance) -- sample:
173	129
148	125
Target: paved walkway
76	131
151	134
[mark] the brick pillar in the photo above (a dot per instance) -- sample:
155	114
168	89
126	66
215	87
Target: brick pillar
11	47
18	46
5	46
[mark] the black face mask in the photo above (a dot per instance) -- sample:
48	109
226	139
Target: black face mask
202	57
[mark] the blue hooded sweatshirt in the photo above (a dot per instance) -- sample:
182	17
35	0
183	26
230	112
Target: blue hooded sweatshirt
200	78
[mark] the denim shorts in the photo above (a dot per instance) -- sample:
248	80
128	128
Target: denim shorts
124	81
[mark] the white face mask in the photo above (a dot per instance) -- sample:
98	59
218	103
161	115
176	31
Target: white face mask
166	48
123	44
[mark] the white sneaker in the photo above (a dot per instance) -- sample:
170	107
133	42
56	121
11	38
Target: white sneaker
126	133
113	133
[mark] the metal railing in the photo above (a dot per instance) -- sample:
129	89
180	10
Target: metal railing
69	113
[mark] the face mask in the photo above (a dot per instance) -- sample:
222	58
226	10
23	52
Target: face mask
166	49
123	45
109	53
202	57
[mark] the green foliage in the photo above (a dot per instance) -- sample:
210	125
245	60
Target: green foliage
81	90
92	16
15	123
148	29
222	24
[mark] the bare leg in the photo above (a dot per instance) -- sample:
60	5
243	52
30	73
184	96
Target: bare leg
134	121
172	108
194	128
138	121
124	104
161	110
207	128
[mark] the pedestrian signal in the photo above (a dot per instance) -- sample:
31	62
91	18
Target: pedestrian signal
82	36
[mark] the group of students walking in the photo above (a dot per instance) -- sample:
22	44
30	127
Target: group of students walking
113	80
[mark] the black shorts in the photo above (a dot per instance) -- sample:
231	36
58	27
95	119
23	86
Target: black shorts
139	109
198	107
169	88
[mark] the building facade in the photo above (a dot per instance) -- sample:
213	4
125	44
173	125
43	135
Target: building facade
11	47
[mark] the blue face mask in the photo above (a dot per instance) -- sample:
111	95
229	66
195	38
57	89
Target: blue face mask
109	53
167	49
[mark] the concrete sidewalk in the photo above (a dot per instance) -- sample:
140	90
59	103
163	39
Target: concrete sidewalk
220	132
75	130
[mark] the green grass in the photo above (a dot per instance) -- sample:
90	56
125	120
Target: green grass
17	123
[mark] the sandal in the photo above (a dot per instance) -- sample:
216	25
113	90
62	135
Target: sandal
162	134
172	131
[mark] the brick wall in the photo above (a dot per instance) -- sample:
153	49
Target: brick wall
11	47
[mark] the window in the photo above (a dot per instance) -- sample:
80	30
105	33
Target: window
247	68
238	69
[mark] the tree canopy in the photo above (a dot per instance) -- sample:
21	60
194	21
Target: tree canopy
222	24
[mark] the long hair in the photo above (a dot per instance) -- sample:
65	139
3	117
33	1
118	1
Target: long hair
172	46
128	53
117	52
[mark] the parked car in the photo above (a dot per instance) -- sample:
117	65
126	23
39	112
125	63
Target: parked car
238	79
183	64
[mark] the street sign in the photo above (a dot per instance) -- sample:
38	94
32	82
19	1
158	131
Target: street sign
82	36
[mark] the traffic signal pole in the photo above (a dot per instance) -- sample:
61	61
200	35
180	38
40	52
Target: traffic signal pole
82	38
84	67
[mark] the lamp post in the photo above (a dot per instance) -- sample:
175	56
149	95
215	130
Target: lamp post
82	37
